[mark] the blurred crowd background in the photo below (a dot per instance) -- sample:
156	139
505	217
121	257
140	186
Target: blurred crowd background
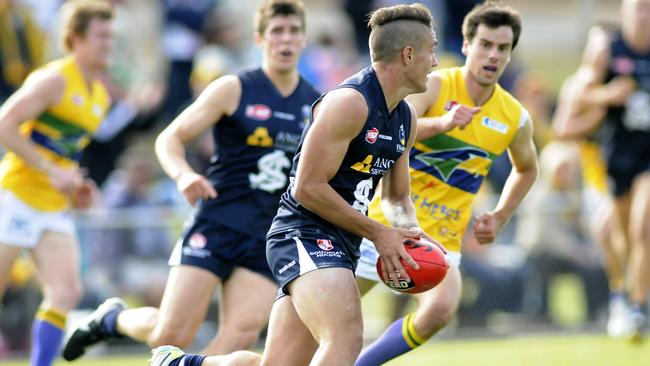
543	273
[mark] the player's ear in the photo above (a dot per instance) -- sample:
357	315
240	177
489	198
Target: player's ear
259	38
465	47
408	54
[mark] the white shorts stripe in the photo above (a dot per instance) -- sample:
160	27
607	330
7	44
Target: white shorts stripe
304	260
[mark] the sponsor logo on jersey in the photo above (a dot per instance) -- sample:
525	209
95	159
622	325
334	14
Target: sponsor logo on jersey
325	244
197	241
306	112
283	115
623	65
97	110
402	135
363	166
495	125
260	137
450	104
77	100
445	162
379	167
371	135
259	112
287	141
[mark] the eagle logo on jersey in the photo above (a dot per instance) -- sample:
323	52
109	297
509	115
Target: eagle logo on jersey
402	135
457	164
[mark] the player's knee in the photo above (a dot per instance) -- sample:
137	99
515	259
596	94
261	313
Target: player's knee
350	340
173	337
436	317
65	296
244	358
243	334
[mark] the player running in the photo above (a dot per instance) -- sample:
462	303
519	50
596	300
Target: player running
256	119
466	121
45	126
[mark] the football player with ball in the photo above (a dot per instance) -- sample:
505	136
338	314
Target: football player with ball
465	121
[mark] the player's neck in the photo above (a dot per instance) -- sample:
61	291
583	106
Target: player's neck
637	41
285	82
89	72
392	86
479	93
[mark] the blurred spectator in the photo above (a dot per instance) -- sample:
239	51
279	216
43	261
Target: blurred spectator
455	12
132	250
22	46
532	90
328	61
549	230
182	36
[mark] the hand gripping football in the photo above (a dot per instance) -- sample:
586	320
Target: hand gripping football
433	268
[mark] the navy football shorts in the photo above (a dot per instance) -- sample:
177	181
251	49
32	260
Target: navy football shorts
293	254
220	249
624	164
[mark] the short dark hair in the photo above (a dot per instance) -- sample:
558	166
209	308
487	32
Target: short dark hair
393	28
272	8
492	14
79	14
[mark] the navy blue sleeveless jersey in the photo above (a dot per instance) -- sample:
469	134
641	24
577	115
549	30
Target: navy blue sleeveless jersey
626	132
254	148
370	155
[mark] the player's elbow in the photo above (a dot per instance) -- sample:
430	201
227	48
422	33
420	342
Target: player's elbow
304	192
165	143
531	171
300	192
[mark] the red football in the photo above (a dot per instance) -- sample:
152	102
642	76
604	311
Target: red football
433	268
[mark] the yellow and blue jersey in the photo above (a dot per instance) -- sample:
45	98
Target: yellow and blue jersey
448	169
60	133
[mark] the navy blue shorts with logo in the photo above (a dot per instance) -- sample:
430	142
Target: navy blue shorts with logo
293	254
220	249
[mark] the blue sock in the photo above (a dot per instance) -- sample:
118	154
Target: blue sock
47	334
399	338
640	308
614	295
109	323
189	360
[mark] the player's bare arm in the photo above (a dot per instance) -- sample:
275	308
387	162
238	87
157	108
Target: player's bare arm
219	99
523	157
41	90
323	150
459	116
396	200
595	59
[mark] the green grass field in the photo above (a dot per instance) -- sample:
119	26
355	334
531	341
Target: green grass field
520	351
